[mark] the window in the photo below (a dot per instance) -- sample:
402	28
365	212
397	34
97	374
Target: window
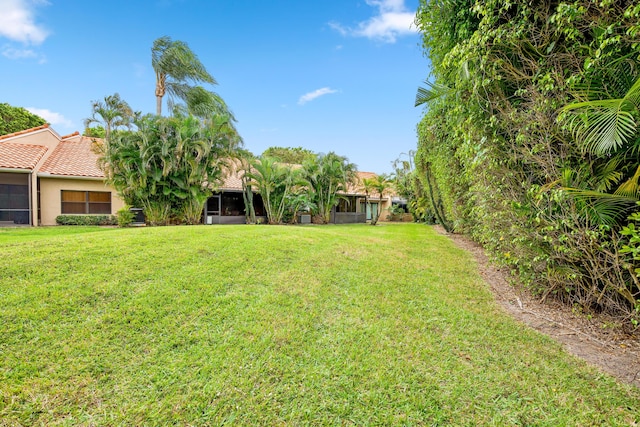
86	202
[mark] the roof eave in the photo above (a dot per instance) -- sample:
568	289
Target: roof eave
78	177
16	170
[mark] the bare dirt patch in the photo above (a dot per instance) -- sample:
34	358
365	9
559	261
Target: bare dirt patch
590	338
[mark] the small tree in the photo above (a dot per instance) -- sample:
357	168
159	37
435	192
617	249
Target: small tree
294	155
381	185
367	185
242	165
15	119
328	177
275	182
110	114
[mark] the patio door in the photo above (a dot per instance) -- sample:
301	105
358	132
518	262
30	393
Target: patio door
371	208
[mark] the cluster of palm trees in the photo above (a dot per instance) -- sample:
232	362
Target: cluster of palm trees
167	165
316	186
170	165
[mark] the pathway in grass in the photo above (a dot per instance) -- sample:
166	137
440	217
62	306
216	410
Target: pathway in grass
267	325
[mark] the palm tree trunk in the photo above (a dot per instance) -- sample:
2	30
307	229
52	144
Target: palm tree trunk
161	88
159	105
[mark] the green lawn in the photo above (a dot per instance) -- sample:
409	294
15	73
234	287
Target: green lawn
274	325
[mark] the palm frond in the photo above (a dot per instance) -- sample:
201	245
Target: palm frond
602	208
631	187
601	126
431	92
608	175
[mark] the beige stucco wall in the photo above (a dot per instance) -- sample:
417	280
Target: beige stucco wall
50	196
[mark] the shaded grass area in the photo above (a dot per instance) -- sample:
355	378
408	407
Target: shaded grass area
21	234
275	325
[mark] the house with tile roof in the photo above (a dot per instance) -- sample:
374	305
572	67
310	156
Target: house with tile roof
43	175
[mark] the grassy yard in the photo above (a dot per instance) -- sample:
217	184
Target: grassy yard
270	325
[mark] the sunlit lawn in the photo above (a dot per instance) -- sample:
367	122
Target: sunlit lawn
270	325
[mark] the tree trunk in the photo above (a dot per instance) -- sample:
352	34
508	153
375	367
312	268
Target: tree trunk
249	210
159	105
436	209
160	91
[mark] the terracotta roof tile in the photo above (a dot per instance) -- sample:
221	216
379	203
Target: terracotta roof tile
22	132
231	176
73	158
76	133
232	182
20	156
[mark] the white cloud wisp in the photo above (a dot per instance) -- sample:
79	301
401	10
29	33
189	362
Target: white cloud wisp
315	94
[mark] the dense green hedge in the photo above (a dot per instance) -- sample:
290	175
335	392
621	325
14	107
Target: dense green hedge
86	220
499	161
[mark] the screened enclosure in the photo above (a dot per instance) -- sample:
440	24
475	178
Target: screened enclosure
15	207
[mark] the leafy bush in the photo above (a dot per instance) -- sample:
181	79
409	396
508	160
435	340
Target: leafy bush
86	220
125	217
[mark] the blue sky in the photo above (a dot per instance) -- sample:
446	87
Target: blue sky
327	75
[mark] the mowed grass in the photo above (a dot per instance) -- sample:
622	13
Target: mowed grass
274	325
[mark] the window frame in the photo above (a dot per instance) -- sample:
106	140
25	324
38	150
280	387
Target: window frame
89	206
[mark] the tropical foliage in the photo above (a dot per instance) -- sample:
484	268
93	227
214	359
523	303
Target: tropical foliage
275	182
111	114
529	139
380	184
169	165
15	119
328	177
293	155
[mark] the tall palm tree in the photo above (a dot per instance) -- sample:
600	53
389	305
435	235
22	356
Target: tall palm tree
178	71
112	113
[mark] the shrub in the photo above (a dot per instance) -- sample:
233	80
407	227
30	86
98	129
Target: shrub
125	217
86	220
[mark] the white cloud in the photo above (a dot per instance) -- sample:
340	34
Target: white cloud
50	116
315	94
17	22
393	20
13	53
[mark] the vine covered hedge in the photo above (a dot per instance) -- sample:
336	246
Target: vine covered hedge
507	162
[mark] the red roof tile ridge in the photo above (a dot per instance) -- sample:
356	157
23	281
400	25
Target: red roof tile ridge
76	133
22	132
